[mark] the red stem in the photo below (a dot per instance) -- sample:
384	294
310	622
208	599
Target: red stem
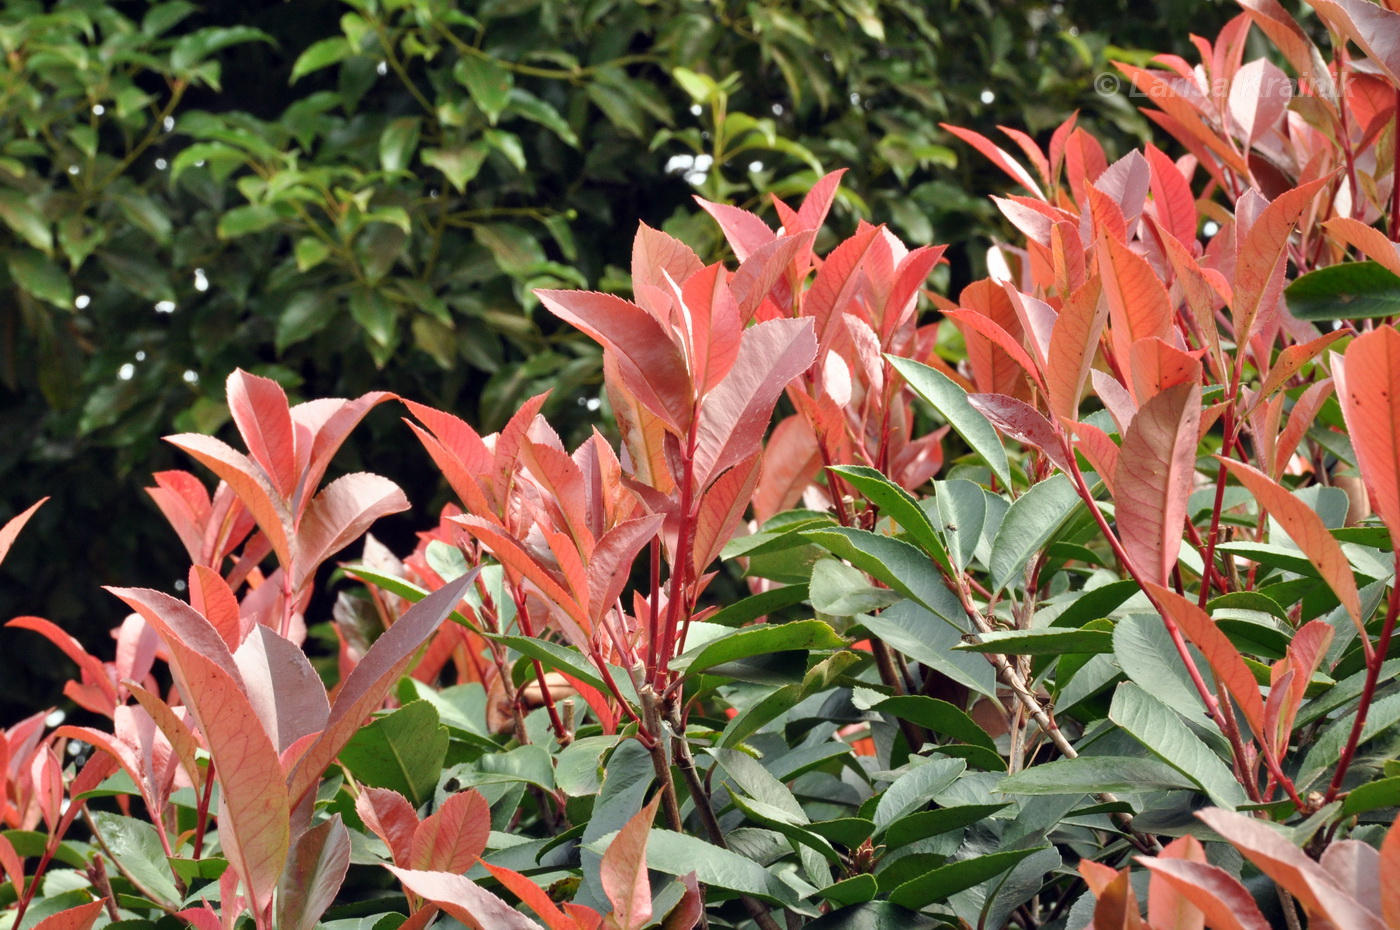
202	811
526	627
1395	176
680	569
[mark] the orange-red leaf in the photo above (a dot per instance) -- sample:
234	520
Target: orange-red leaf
1153	479
1307	531
248	480
1167	908
1390	865
1138	307
11	529
1155	365
453	836
1073	344
624	870
467	901
1225	903
260	411
391	818
1258	277
81	917
1374	243
1225	660
998	157
1368	386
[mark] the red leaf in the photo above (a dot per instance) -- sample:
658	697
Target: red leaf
338	516
687	914
720	510
1307	531
260	411
1153	479
610	564
1368	386
1225	903
817	202
1291	868
1284	31
532	895
465	900
745	232
562	485
11	529
364	688
1084	162
649	361
838	281
1023	423
184	502
1138	307
1127	182
313	875
282	687
656	255
715	326
1117	907
453	836
1098	447
12	865
508	551
993	371
81	917
1073	345
735	414
1300	420
391	818
212	597
1224	658
1032	152
328	420
768	267
643	432
249	482
94	672
1171	195
624	870
1355	867
1365	239
1262	250
1201	296
790	462
1001	344
1291	360
998	157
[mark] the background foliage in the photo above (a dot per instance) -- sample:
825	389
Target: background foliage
356	195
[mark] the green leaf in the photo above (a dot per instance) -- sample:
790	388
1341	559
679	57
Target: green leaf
951	403
848	831
839	590
137	845
681	854
40	276
403	751
915	788
1047	642
962	511
942	718
853	890
759	605
206	869
1095	774
1164	734
1349	291
758	640
1145	653
527	106
1097	603
458	164
569	660
1327	749
1372	796
789	825
926	824
25	221
1034	517
376	314
488	83
247	219
899	505
819	678
874	915
398	142
947	880
896	563
321	54
193	48
928	638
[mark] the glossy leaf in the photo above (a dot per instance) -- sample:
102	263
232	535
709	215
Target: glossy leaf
313	875
1153	480
951	403
1367	387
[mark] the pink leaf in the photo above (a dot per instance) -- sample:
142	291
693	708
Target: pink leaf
465	900
715	326
451	839
1153	479
1390	865
391	818
1374	28
329	421
338	516
11	529
650	362
1292	359
1218	895
1138	307
1307	531
212	597
248	481
1023	423
1172	198
1262	251
1283	30
254	810
508	551
260	411
624	870
610	565
767	267
745	232
1366	239
380	669
313	875
12	865
1356	867
817	202
735	414
1291	868
790	462
655	255
998	157
838	281
1168	909
177	732
94	672
282	687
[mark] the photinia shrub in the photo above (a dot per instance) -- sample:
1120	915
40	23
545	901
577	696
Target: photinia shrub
1090	579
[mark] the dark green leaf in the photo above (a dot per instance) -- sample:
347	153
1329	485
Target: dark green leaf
488	82
924	824
758	605
759	640
138	847
853	890
1093	775
40	276
1158	728
1349	291
951	403
899	505
896	563
873	915
1046	642
403	751
947	880
1034	517
321	54
927	638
